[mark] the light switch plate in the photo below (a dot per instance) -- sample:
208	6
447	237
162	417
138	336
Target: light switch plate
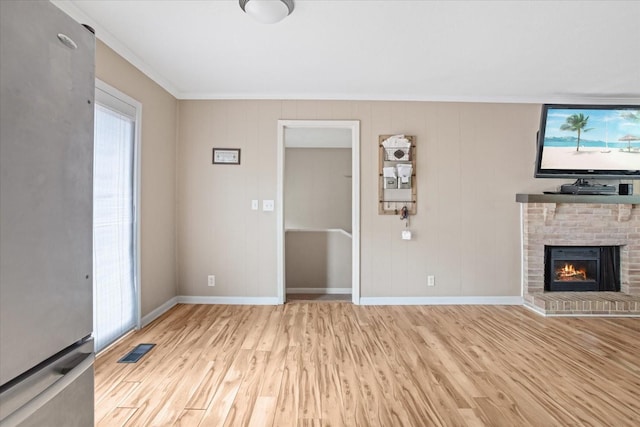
254	205
268	205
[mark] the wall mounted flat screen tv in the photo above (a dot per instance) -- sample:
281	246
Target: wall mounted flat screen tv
589	141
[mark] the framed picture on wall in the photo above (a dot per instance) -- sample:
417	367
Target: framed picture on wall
226	156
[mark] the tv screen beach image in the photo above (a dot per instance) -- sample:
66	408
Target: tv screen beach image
588	139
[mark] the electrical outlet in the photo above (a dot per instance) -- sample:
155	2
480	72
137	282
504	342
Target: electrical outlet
268	205
211	280
431	280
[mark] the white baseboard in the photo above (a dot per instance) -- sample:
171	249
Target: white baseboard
327	291
153	315
186	299
441	301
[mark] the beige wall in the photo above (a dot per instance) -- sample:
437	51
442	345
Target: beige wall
318	259
158	175
218	232
317	188
471	161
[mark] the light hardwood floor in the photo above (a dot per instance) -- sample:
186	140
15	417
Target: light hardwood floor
336	364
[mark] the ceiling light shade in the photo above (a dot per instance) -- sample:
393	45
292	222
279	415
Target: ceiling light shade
267	11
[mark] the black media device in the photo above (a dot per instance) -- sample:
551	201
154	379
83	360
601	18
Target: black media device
625	189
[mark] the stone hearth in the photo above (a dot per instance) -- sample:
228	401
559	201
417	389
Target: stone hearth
575	220
585	303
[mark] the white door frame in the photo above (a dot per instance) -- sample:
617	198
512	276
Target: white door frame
137	162
354	127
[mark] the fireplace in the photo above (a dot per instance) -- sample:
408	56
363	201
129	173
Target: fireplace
588	221
582	268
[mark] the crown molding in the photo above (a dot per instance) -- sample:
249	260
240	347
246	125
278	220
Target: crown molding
107	38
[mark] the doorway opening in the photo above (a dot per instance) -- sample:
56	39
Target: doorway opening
318	209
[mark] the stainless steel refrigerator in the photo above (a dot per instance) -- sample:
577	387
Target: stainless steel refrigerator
46	157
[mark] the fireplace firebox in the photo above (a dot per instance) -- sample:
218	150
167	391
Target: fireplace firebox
582	268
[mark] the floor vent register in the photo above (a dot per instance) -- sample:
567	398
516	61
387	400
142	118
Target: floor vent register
136	354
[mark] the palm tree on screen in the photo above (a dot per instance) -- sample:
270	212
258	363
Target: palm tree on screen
576	123
632	116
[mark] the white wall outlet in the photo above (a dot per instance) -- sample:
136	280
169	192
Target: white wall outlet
268	205
406	235
211	280
431	280
254	205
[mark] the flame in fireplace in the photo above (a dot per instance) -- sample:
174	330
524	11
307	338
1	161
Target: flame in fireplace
569	273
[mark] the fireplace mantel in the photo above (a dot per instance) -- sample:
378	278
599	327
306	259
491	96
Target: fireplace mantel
578	198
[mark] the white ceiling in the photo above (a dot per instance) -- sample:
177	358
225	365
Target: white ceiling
489	51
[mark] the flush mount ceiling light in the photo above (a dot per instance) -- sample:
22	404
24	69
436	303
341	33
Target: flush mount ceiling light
267	11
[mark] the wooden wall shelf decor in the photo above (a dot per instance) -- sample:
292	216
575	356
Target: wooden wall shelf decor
393	196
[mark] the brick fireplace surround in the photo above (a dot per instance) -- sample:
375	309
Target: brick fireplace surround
568	220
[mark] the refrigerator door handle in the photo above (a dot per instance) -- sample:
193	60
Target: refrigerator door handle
29	408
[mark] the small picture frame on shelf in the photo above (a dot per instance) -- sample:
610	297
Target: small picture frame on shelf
226	156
